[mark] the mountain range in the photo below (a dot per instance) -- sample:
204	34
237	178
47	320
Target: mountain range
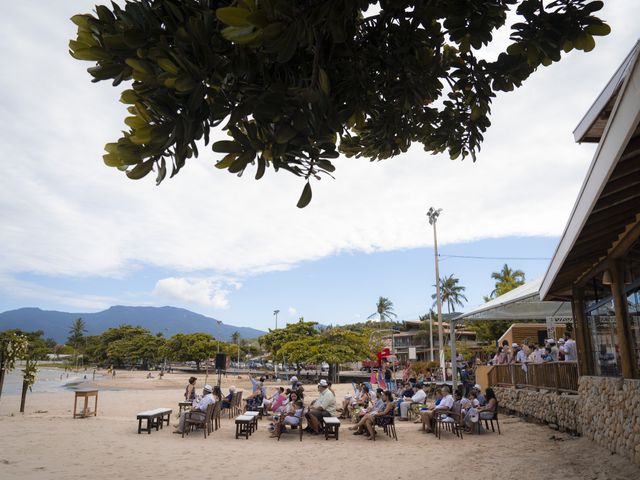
165	320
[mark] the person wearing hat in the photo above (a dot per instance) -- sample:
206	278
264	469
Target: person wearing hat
323	406
554	349
561	350
199	410
479	396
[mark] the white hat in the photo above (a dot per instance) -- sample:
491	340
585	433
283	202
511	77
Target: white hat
294	379
514	345
232	388
208	388
551	340
561	340
474	417
323	383
477	387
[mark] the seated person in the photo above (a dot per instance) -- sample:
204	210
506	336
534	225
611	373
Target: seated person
380	418
275	401
360	400
420	396
323	406
199	409
226	401
378	406
445	405
254	401
477	413
291	417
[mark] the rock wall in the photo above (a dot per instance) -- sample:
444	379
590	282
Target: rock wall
610	414
606	410
550	408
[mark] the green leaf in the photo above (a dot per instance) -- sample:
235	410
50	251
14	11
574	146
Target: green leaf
140	171
284	133
325	85
227	146
258	18
599	30
226	161
135	122
129	97
234	16
305	197
262	164
112	160
168	66
139	65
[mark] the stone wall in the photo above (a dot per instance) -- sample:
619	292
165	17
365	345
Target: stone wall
606	410
610	414
550	408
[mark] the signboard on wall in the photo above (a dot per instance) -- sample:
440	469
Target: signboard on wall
412	353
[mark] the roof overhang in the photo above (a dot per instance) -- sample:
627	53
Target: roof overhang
522	303
608	204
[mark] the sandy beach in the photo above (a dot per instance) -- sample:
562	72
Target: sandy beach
46	442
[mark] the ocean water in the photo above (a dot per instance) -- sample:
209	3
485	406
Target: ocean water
47	380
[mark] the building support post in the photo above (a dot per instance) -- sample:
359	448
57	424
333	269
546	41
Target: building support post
623	330
582	334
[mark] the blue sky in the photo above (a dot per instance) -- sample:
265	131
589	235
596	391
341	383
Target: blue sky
78	236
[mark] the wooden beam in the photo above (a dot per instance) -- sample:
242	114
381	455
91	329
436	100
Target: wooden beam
623	324
582	334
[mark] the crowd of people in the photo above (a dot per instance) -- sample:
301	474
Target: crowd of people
366	407
562	351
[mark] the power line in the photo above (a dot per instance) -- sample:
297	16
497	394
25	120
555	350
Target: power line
493	258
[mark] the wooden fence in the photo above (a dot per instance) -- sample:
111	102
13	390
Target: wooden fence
556	376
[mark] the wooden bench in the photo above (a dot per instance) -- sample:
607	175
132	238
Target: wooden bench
331	427
244	425
155	418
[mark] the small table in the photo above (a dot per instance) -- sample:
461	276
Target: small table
86	411
244	426
331	427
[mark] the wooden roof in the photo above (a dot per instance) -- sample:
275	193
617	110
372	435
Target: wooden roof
605	222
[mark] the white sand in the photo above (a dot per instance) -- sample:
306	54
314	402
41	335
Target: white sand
52	445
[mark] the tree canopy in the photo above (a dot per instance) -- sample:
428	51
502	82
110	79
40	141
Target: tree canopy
451	293
506	280
191	347
296	82
384	310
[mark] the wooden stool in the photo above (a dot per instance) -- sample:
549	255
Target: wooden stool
255	416
331	427
244	426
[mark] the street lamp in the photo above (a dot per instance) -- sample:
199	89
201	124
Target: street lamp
433	215
275	367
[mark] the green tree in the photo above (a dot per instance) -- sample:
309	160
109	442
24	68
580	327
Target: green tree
451	293
506	280
298	81
489	330
143	349
13	345
99	350
273	341
191	347
384	310
333	346
76	338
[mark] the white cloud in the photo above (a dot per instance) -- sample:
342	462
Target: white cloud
292	311
206	292
65	213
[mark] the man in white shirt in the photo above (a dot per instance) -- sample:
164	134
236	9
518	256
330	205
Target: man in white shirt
419	396
323	406
445	404
199	410
570	349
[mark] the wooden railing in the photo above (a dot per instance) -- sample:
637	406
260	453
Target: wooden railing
556	376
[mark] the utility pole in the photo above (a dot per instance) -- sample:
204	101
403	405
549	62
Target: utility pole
275	365
431	334
433	215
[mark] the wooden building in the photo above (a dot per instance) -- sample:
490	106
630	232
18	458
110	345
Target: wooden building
596	265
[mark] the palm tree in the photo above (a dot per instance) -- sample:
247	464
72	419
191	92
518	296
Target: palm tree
451	293
76	337
384	309
506	280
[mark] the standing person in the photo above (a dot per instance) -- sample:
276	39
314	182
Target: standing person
554	349
502	357
199	410
570	348
561	351
323	406
406	373
388	376
190	391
